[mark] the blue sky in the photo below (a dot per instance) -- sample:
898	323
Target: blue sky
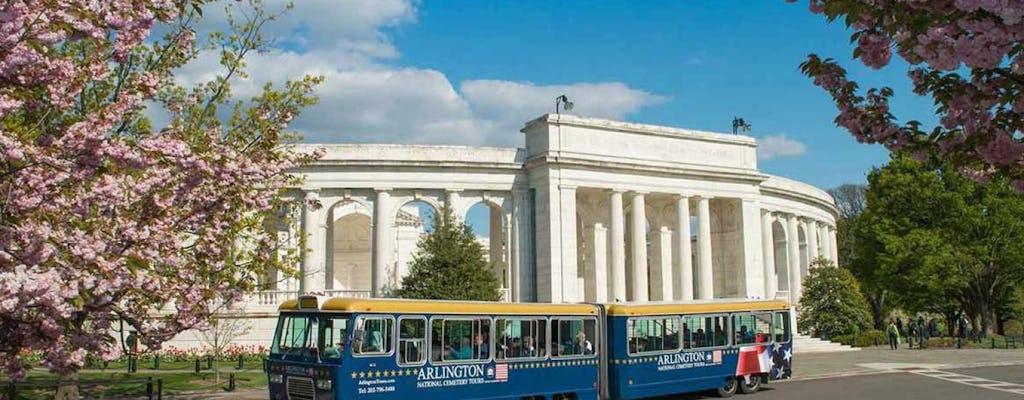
472	72
712	60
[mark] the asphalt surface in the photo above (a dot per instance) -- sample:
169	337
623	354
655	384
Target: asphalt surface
868	374
995	383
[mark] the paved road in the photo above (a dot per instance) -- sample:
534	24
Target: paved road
868	374
994	383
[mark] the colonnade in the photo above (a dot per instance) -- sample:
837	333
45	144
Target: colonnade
383	204
633	246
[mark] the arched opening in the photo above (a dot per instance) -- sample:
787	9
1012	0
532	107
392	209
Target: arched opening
487	220
349	238
781	258
413	220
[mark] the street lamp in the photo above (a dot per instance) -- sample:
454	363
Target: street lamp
738	124
564	102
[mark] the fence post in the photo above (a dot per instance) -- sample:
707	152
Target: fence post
209	362
197	366
958	342
241	361
231	382
12	390
159	388
149	387
993	343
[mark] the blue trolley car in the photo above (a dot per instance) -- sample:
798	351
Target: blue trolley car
341	348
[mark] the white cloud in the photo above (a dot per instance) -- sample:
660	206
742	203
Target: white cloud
505	105
776	147
364	99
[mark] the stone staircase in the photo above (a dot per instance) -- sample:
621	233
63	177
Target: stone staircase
803	344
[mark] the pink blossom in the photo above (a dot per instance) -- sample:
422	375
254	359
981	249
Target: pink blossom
875	50
97	226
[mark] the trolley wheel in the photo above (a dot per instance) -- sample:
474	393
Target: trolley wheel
750	385
729	388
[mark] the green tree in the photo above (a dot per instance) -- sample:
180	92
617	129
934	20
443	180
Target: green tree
943	243
832	303
449	264
851	199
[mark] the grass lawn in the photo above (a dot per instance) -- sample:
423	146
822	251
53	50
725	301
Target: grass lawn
123	385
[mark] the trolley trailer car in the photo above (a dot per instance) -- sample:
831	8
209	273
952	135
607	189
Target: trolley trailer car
340	348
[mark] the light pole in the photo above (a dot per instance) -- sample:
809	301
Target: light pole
738	124
563	102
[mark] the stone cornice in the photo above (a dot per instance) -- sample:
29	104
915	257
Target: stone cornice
645	129
680	170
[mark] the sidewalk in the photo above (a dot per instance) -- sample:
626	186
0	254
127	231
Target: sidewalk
881	359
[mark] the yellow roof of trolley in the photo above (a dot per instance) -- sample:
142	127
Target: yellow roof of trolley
344	304
693	307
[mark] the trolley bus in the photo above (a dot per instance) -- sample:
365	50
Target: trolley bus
342	348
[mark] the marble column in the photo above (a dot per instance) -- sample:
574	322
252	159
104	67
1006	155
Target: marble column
706	286
597	275
661	264
513	255
833	244
495	244
812	240
684	253
510	255
768	252
523	272
824	243
312	259
793	250
569	244
381	243
638	240
617	242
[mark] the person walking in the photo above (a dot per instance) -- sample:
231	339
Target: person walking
893	332
922	332
899	325
962	325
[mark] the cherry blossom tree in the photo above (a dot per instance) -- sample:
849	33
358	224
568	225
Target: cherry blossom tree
965	54
106	218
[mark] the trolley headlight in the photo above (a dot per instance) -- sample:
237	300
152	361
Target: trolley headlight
323	385
276	378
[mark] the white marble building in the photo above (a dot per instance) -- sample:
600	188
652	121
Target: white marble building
589	210
568	210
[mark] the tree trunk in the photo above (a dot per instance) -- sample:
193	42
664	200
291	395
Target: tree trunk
951	321
68	389
878	310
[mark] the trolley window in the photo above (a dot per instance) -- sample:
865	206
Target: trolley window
460	339
412	340
653	335
701	331
752	328
520	338
573	337
333	331
296	335
782	329
373	336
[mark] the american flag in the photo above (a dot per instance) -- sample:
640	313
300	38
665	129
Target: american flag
716	357
501	372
